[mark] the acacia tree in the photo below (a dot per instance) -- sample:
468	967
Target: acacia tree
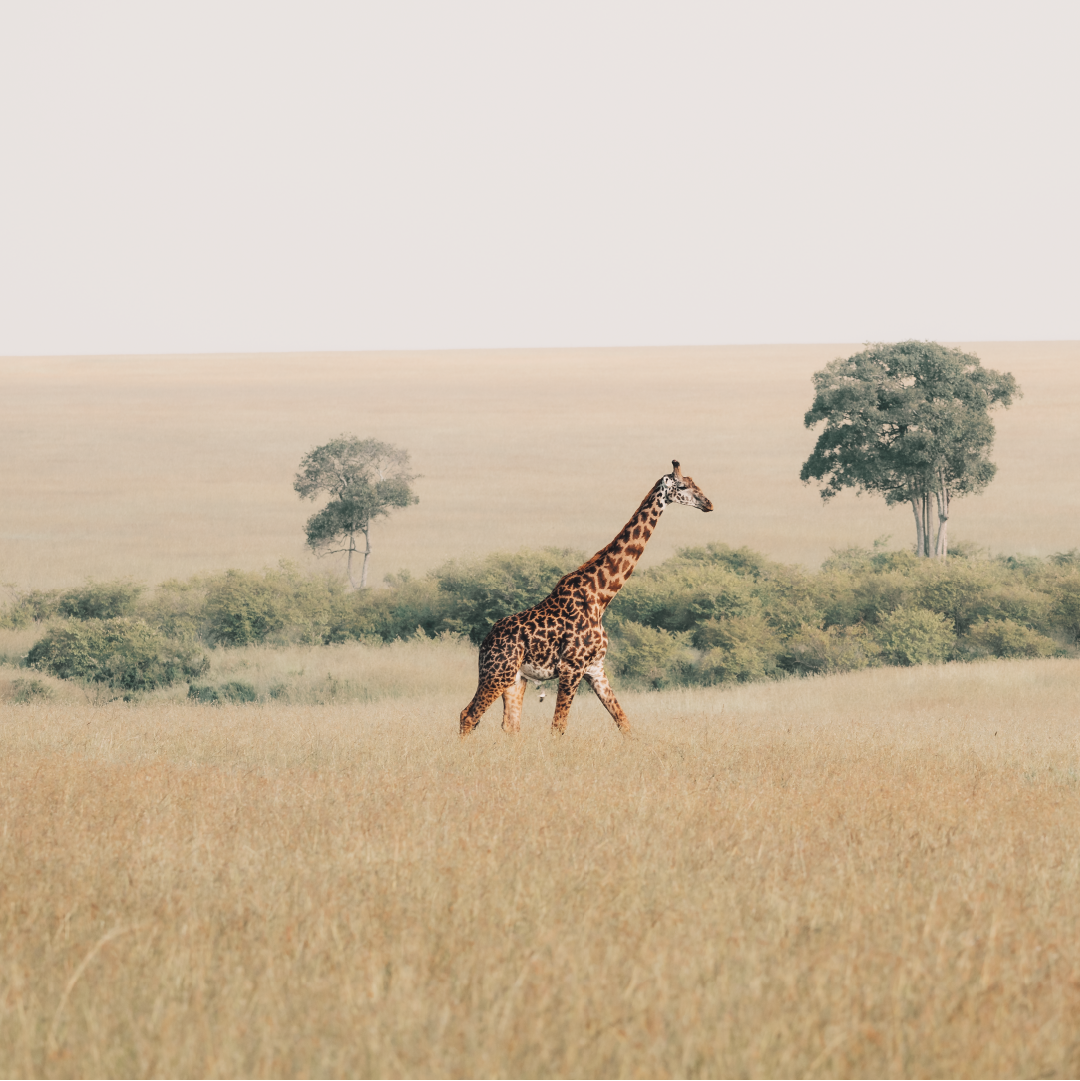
366	480
910	422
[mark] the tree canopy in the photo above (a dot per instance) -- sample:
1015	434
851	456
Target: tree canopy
366	480
910	422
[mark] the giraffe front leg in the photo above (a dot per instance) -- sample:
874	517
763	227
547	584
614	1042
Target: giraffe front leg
568	685
513	697
598	681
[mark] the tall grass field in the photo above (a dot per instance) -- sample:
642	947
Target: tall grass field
867	874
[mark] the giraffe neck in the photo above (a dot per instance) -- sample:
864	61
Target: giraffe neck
606	573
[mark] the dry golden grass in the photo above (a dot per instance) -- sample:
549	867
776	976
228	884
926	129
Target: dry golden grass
868	875
351	671
167	466
307	675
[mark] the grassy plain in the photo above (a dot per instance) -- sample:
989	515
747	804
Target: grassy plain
865	875
157	467
868	875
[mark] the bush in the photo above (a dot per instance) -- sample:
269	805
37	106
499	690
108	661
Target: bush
678	595
34	607
28	690
649	655
245	608
911	636
1004	638
382	615
99	600
1065	605
242	608
123	653
482	592
178	610
829	649
233	691
736	650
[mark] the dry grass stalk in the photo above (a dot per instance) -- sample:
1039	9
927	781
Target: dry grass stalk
869	875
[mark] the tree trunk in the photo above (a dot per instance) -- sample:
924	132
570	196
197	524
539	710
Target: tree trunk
367	555
941	545
348	563
918	525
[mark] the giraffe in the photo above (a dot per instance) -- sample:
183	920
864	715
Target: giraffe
563	636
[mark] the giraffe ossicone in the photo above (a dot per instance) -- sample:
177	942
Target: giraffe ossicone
563	636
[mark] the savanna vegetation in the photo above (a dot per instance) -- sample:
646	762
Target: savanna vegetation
710	615
238	836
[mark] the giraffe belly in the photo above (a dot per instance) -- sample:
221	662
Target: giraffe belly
536	674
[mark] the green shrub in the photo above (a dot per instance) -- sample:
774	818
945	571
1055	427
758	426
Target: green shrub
911	636
99	600
233	691
481	592
29	690
178	610
649	655
736	650
123	653
36	606
678	595
244	608
1064	595
742	561
1004	638
829	649
382	615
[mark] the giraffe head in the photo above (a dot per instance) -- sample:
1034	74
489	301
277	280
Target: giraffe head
680	489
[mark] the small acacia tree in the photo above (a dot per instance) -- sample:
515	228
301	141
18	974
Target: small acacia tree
366	480
910	422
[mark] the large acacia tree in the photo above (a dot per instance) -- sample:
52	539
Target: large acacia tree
910	422
366	480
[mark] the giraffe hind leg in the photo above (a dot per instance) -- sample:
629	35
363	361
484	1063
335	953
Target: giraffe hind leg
598	682
513	697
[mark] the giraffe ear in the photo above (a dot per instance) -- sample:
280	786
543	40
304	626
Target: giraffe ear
676	472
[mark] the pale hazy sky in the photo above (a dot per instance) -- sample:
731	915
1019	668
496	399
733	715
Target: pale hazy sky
253	176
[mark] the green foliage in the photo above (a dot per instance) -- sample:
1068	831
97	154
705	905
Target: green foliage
737	649
906	421
820	650
178	610
910	636
233	691
365	480
680	594
244	608
1004	638
649	655
710	614
124	653
94	600
30	690
100	600
383	615
1065	604
480	592
35	606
